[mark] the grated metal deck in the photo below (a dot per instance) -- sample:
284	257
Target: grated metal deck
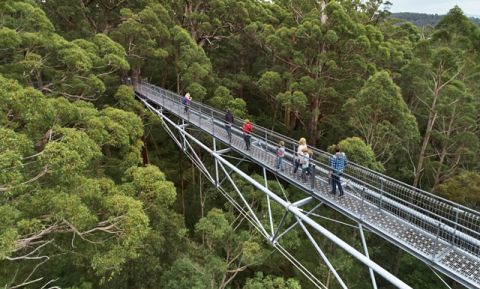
450	246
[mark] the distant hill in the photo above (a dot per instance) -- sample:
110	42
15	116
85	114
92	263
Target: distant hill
423	19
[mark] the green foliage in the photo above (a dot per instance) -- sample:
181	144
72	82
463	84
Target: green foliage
71	136
39	57
71	154
223	100
125	99
359	152
185	274
270	282
463	189
215	226
381	116
226	251
143	33
150	186
61	193
8	234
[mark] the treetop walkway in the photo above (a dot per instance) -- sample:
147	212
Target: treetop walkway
441	233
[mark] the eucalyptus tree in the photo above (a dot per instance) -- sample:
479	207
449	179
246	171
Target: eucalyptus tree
209	22
85	18
442	85
359	152
34	54
154	42
323	52
463	188
227	251
56	195
381	116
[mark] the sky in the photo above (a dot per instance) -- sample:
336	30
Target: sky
469	7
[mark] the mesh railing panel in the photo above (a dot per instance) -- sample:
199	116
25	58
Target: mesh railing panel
453	223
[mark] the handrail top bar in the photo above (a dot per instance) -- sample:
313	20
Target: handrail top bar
455	206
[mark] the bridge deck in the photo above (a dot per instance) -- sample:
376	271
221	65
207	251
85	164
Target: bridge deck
450	249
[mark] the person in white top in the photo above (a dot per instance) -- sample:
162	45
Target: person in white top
302	144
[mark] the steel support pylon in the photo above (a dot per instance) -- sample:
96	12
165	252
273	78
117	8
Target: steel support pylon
442	234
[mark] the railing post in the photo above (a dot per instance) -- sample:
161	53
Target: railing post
363	203
200	116
213	125
457	211
266	140
313	176
294	157
380	204
435	248
265	149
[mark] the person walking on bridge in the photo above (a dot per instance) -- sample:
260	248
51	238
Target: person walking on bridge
338	162
247	130
186	102
228	124
302	144
305	162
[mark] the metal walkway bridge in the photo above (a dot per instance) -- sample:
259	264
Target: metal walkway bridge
442	234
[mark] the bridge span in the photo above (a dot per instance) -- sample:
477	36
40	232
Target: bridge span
442	234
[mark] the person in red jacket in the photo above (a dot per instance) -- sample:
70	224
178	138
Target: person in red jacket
247	130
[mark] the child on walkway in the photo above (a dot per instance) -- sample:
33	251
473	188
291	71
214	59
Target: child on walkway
305	162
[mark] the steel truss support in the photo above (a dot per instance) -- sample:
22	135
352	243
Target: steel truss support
302	218
365	248
269	208
440	277
320	252
232	182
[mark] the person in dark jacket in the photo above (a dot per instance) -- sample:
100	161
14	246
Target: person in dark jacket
228	124
186	102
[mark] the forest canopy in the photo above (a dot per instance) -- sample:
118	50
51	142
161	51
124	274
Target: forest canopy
93	194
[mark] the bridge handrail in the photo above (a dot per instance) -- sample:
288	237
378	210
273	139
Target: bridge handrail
433	206
321	152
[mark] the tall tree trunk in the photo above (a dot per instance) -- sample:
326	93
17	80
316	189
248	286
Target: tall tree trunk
136	74
178	82
274	117
315	102
323	15
145	151
314	119
432	117
287	119
444	152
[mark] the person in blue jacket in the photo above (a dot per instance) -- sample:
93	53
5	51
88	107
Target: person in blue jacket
338	162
